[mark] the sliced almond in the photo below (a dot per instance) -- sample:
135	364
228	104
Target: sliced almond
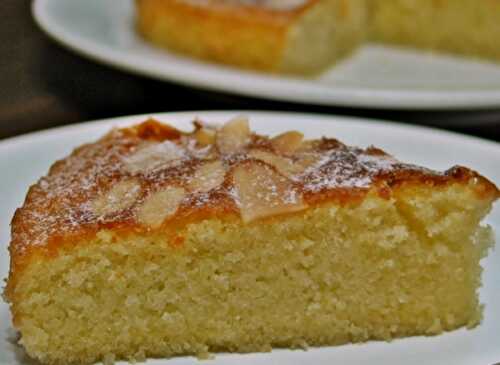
284	165
262	192
308	145
120	197
159	206
233	136
154	156
208	176
307	160
287	143
205	136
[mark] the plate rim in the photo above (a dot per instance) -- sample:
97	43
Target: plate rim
267	84
327	118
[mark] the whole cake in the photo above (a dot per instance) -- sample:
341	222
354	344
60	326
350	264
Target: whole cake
306	36
153	242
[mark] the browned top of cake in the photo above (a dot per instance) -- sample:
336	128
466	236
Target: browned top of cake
277	5
277	13
146	176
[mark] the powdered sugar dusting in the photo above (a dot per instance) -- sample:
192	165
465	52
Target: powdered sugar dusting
154	156
347	167
262	192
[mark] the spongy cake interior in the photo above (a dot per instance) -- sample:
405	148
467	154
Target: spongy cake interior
326	33
467	27
375	269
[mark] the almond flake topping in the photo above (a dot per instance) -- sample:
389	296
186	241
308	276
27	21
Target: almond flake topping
159	206
121	196
287	143
140	176
284	165
207	177
233	136
205	136
154	156
262	192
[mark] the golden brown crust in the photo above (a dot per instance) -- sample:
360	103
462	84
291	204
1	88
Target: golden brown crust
255	36
108	184
235	14
261	31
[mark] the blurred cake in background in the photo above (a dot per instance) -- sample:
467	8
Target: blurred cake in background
305	37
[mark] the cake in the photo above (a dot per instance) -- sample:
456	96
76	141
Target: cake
463	27
286	36
305	37
154	242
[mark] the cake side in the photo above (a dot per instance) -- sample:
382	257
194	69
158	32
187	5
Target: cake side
324	34
348	273
464	27
290	40
178	240
253	37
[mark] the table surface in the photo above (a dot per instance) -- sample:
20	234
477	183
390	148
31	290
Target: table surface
44	85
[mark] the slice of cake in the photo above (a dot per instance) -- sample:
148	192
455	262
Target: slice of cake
156	242
464	27
288	36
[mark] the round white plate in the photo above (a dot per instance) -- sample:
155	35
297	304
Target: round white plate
24	159
375	77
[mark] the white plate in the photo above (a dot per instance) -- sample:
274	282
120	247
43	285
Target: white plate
376	77
24	159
